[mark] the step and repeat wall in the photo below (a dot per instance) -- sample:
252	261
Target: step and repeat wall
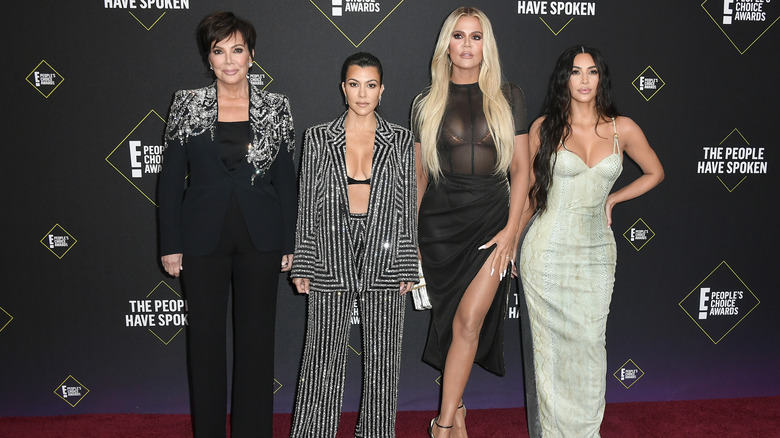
89	322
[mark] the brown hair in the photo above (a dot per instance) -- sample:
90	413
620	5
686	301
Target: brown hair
217	26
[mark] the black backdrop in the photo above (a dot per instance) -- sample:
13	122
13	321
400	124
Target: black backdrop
86	87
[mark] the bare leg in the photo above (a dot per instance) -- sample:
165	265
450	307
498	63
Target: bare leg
466	327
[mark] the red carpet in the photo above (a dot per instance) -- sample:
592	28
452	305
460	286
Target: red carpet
739	418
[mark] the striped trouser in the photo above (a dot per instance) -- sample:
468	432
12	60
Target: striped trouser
321	385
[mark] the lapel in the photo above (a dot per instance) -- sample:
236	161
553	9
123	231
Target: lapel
337	148
336	145
382	158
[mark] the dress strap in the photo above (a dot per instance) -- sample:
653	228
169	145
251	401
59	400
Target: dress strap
615	143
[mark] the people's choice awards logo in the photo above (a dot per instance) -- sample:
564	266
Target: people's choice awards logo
261	78
639	234
720	302
628	374
732	160
163	312
556	15
58	241
147	12
139	156
743	22
71	391
356	20
648	83
45	79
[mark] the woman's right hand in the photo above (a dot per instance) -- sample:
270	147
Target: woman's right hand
301	285
172	264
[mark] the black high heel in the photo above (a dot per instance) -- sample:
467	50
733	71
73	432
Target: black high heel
463	406
435	421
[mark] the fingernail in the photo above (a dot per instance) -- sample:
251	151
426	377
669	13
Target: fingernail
481	247
491	271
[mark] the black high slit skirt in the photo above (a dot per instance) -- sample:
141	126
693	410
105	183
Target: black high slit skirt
457	215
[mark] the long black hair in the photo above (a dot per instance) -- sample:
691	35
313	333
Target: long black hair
557	111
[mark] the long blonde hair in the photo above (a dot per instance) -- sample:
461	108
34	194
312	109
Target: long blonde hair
428	109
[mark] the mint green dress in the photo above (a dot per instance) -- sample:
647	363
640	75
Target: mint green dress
567	266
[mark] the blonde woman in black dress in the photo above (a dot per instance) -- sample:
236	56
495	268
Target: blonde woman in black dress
471	135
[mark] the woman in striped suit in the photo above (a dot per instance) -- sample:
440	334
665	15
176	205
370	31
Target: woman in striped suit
356	239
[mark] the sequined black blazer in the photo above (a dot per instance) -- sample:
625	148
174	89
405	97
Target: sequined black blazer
192	209
322	248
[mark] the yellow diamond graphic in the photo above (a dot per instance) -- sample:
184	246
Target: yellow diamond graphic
648	83
638	234
261	80
58	240
45	78
719	303
743	22
734	139
356	20
553	30
71	391
628	374
138	156
151	20
5	319
165	333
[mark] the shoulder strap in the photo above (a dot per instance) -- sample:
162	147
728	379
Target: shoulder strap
615	143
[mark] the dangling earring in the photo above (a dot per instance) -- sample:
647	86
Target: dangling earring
380	100
211	67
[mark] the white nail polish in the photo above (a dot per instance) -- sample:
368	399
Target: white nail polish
481	247
491	271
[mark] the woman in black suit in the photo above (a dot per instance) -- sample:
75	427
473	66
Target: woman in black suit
356	239
233	219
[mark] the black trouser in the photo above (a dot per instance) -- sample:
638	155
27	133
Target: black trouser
206	279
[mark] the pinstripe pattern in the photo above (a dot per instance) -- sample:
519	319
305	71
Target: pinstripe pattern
322	250
321	385
353	256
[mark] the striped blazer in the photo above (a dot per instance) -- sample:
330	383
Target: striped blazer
323	252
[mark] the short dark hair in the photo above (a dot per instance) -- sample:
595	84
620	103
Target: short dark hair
361	59
217	26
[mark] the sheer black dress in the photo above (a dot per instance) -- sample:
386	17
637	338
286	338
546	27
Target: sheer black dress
463	210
